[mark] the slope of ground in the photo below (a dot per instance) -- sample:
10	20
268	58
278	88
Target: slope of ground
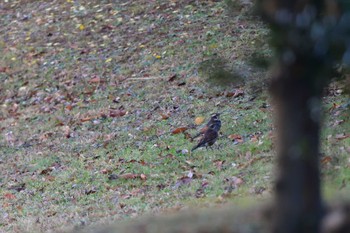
99	98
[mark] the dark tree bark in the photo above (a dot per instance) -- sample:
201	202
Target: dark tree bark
308	42
298	205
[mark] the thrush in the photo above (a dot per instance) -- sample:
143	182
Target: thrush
214	119
209	137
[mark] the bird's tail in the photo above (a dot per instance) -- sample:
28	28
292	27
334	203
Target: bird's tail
196	136
194	148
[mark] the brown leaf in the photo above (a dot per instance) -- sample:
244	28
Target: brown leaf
9	196
86	119
237	181
334	106
337	122
69	107
45	136
50	178
236	93
67	131
219	163
342	136
172	78
129	176
116	112
95	80
105	171
4	69
236	137
46	171
165	116
254	138
143	177
326	159
179	130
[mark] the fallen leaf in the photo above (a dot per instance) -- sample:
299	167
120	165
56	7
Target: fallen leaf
95	79
199	120
200	193
236	137
9	196
337	122
143	177
4	69
86	119
237	181
69	107
50	178
172	78
128	176
116	113
81	27
179	130
326	159
46	171
254	138
165	116
342	136
90	191
45	136
236	93
219	164
105	171
334	106
67	131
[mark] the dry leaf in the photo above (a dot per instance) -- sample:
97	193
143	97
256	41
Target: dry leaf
116	113
86	119
69	107
254	138
165	116
4	69
199	120
334	106
95	79
172	78
219	163
129	176
342	136
326	159
237	181
179	130
236	93
9	196
143	177
236	137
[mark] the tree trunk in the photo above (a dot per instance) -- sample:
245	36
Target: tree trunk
298	205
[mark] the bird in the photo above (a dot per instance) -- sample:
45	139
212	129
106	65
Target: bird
214	119
209	137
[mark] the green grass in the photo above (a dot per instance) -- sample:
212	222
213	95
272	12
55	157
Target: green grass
57	136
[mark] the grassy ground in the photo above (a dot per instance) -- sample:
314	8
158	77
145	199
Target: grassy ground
93	93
